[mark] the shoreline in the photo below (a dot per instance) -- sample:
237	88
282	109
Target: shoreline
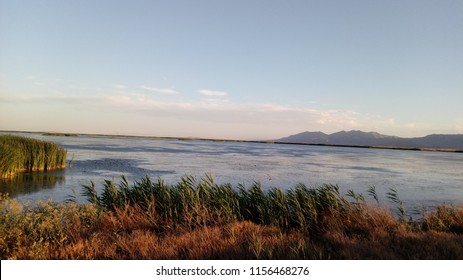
14	173
62	134
424	149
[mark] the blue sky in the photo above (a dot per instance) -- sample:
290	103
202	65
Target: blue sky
231	69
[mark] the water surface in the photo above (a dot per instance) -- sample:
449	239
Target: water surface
421	177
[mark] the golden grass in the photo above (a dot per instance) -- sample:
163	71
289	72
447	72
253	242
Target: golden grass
72	231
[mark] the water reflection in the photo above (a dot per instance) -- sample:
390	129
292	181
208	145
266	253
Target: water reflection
31	182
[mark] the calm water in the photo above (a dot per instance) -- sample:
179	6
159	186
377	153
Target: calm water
421	178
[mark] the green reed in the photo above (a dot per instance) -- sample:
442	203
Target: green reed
25	154
193	202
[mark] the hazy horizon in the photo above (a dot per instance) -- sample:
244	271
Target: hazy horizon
244	70
52	133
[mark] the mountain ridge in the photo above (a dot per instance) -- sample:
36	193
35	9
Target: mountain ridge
361	138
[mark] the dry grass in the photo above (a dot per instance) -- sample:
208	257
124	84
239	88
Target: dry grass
71	231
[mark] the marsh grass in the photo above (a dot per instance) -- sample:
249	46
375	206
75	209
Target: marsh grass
31	231
19	154
199	219
195	203
202	202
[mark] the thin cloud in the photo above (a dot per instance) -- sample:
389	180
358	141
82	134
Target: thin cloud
212	93
160	90
51	98
258	117
230	112
214	110
119	86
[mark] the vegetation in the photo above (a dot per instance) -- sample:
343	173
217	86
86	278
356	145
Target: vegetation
25	154
59	134
198	219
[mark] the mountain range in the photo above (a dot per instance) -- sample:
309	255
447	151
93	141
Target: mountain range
360	138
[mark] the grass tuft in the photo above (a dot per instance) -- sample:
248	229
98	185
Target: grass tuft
19	154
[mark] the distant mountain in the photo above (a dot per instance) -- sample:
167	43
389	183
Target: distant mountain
360	138
307	137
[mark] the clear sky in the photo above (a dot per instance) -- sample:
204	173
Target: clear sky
236	69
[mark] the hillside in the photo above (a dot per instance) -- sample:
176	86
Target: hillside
360	138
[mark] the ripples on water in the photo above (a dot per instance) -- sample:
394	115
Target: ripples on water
421	178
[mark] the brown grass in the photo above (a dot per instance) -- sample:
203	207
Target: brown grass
72	231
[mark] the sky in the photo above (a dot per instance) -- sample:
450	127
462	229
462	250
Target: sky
251	70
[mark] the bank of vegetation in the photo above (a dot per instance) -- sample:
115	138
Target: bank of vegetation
199	219
19	154
60	134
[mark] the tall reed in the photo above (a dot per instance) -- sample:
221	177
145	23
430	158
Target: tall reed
19	154
202	202
199	219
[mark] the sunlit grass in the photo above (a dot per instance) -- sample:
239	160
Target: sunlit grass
199	219
202	202
19	154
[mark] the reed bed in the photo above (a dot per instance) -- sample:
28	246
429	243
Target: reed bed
202	202
199	219
19	154
193	203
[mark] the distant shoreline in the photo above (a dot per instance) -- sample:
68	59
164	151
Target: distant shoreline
448	150
426	149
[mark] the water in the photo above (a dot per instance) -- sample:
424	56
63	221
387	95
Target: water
421	178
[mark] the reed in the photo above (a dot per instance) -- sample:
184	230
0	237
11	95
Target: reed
203	202
190	202
199	219
18	154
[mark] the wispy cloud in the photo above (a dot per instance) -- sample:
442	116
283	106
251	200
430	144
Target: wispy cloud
56	97
35	81
160	90
213	110
212	93
267	120
217	110
119	86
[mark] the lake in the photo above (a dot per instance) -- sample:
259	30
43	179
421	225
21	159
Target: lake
422	178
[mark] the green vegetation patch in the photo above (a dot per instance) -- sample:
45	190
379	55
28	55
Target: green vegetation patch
18	154
192	203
